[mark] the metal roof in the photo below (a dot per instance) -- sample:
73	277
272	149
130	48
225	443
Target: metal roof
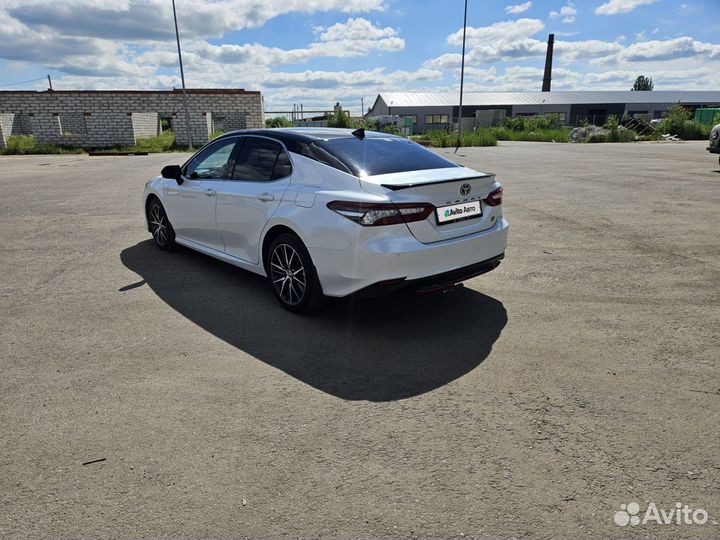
444	99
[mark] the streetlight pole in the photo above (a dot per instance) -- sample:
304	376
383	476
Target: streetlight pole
182	78
462	82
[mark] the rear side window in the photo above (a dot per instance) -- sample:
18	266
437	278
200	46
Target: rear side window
282	166
373	156
261	160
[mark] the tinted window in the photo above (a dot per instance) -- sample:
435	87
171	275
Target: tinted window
213	162
261	160
373	156
283	167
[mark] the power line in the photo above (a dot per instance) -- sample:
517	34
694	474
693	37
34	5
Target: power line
23	82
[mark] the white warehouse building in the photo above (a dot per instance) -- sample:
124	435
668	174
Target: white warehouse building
439	110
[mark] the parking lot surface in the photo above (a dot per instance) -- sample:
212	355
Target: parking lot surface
581	375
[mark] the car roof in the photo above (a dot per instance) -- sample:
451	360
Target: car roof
305	135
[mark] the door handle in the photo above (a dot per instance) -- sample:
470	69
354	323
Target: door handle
210	192
265	197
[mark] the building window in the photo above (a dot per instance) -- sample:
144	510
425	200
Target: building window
413	118
73	124
561	115
436	119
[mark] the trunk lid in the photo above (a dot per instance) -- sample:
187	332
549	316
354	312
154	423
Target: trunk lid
442	188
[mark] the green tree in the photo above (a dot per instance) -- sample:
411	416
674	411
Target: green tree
339	120
643	84
278	122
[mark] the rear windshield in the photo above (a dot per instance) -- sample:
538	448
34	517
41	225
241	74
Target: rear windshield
373	156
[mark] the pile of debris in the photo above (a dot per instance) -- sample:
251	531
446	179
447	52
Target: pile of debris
582	134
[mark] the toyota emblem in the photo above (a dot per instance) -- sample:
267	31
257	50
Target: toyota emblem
465	190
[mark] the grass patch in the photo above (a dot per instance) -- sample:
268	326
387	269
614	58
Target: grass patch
26	144
442	139
490	137
165	142
162	143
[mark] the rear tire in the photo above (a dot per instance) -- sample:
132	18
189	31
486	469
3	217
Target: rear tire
160	226
292	275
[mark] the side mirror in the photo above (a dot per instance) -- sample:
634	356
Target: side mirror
173	172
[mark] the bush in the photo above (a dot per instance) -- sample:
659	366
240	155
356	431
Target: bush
679	122
515	123
533	123
278	122
598	138
536	135
20	144
215	135
370	124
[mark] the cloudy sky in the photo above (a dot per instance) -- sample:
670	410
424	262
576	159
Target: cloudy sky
316	52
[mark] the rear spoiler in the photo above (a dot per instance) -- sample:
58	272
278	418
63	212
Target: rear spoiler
396	187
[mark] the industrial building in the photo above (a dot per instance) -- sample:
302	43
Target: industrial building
102	118
431	111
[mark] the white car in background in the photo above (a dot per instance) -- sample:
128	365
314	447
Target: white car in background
331	212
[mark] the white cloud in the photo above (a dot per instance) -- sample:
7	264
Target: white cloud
353	38
475	74
614	7
360	29
445	61
132	20
567	12
506	31
682	47
516	9
575	51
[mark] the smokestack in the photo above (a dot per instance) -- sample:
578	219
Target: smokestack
548	64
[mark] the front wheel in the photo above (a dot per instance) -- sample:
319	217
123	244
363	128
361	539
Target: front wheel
292	275
160	227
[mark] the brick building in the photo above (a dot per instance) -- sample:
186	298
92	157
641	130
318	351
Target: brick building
104	118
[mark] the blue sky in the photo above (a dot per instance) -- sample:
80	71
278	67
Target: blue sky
317	52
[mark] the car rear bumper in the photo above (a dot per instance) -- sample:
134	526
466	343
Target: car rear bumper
432	284
395	259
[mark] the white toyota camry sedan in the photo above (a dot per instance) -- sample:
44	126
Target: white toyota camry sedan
331	212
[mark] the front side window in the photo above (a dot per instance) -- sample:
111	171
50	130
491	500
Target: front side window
213	163
261	160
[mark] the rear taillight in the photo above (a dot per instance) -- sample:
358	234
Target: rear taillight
495	197
375	214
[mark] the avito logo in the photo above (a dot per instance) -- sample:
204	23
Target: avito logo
682	514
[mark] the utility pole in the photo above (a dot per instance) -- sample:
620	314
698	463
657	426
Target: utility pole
182	78
462	82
